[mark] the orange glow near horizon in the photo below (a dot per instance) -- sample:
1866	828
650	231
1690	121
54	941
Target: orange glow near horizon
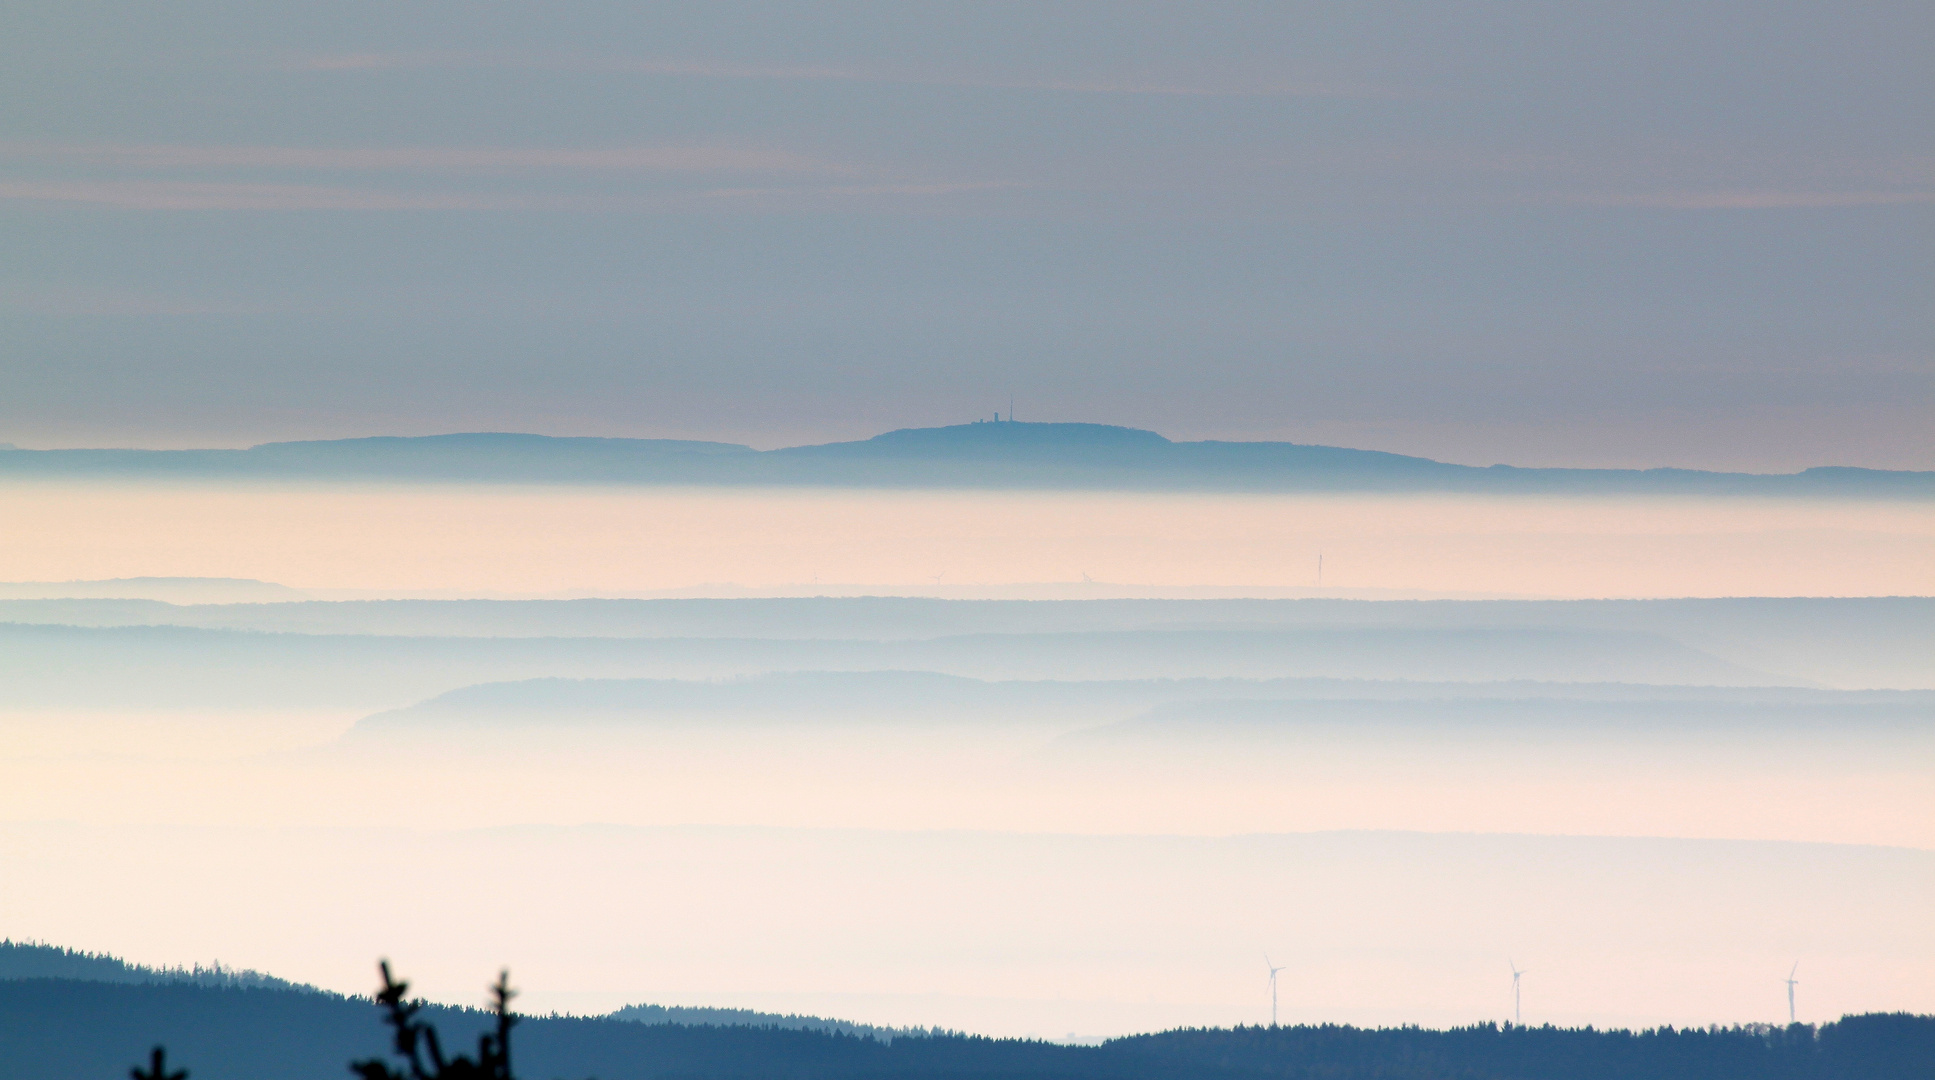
518	541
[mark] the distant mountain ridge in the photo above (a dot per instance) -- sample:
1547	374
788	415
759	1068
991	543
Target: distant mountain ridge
1004	454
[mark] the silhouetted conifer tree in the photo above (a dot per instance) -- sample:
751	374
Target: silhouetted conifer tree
158	1068
417	1044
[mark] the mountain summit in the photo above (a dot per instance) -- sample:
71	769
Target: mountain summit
1000	439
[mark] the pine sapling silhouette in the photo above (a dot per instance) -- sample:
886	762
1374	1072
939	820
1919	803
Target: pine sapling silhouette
417	1044
415	1041
158	1068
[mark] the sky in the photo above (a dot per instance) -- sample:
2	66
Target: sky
1546	234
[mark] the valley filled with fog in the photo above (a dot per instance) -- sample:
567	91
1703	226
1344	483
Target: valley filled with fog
1018	816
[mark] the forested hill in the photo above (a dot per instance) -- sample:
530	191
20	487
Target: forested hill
33	960
979	455
696	1016
65	1029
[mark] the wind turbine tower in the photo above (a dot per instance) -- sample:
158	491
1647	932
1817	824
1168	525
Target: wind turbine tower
1273	987
1791	983
1518	1013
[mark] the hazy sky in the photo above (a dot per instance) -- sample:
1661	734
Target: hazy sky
1540	233
497	541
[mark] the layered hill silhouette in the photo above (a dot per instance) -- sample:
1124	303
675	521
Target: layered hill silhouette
1845	642
1252	707
45	666
978	455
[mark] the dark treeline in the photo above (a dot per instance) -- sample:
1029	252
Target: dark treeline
34	960
1871	1046
696	1016
65	1029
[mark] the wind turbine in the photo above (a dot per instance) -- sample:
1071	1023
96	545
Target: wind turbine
1518	1014
1791	983
1273	987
